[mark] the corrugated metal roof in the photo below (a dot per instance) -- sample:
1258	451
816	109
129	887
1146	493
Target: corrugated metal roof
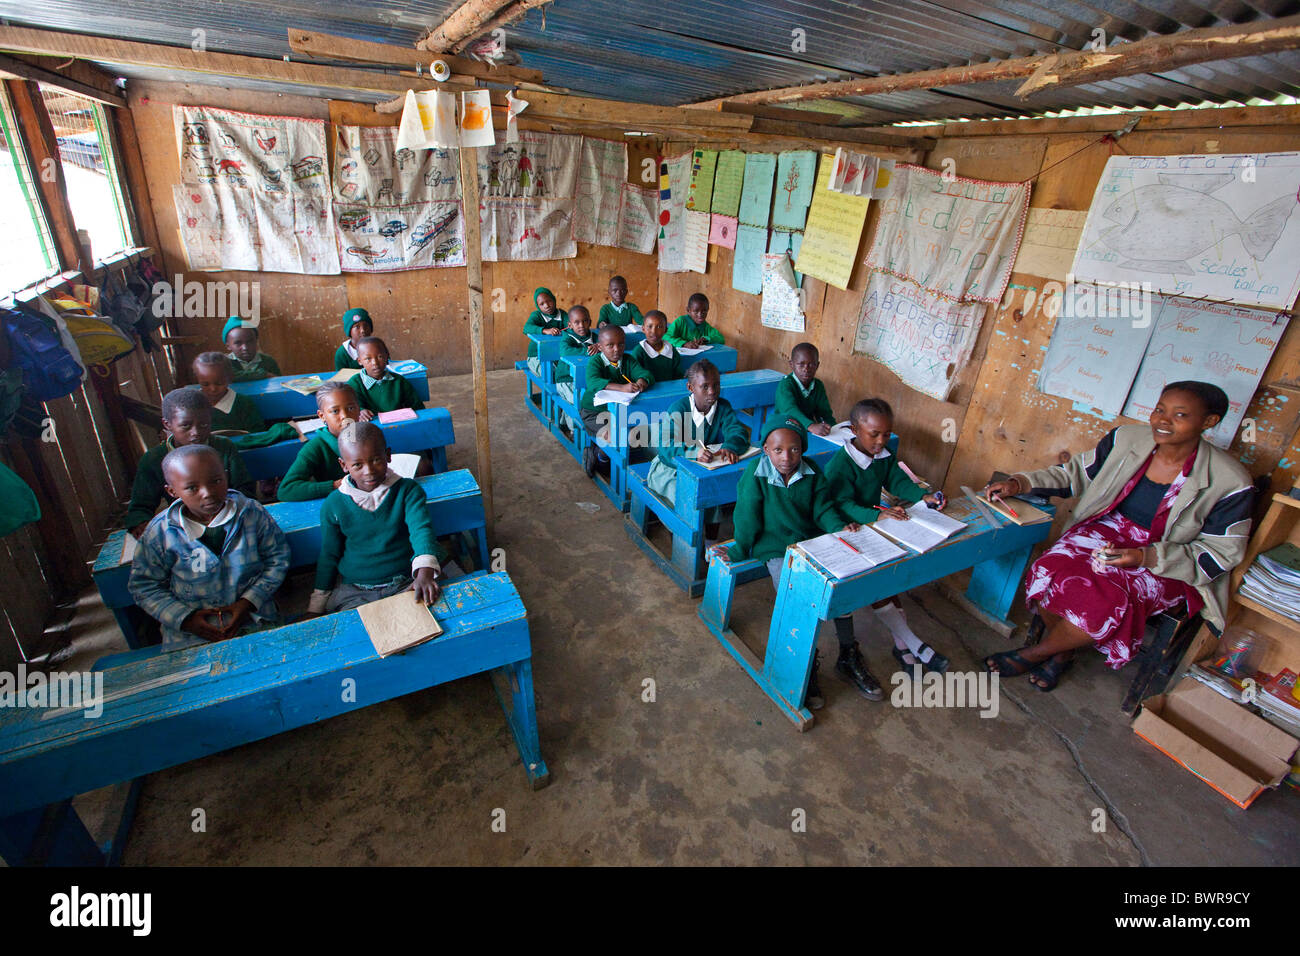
680	51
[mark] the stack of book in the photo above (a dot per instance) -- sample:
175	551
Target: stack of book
1273	580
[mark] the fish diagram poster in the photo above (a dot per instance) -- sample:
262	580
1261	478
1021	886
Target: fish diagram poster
255	192
394	238
1219	227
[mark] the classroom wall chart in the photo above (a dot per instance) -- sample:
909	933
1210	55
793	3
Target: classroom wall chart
727	182
394	238
747	261
796	172
704	163
602	172
254	192
370	169
954	236
1050	242
1220	227
674	181
756	190
638	224
835	221
521	229
782	305
1091	359
539	166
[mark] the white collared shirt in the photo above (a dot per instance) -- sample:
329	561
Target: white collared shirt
370	383
698	417
369	500
861	460
195	529
765	469
665	352
227	402
350	348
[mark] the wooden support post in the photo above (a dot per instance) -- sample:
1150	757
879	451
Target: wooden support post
474	280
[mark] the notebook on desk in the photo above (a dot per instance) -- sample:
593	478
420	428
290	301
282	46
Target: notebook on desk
607	396
719	463
1024	512
924	528
398	623
846	553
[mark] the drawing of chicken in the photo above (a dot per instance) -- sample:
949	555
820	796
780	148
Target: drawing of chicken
1179	218
267	143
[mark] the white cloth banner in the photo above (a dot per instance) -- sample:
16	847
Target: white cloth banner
602	171
476	119
637	225
953	236
428	121
540	166
674	182
394	238
370	168
522	229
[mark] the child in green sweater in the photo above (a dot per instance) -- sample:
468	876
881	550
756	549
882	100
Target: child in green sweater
801	395
186	420
376	536
608	368
547	318
379	390
247	361
357	325
857	474
783	499
692	330
657	355
576	340
231	411
316	472
618	311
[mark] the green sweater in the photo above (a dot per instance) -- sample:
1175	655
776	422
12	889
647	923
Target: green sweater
314	471
387	396
148	490
664	369
373	547
599	375
536	322
262	366
790	402
343	360
769	518
685	330
570	344
609	315
678	436
856	490
243	416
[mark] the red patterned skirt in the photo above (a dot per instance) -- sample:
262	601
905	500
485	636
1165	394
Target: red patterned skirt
1110	605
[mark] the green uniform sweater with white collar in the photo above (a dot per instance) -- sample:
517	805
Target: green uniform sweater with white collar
243	416
599	375
810	410
389	395
374	547
856	490
769	518
314	471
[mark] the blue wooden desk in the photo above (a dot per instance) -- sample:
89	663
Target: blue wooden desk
277	403
165	707
455	505
807	595
430	430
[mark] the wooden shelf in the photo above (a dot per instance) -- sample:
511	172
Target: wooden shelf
1267	612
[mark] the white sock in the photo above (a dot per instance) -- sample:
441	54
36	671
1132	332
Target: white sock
904	639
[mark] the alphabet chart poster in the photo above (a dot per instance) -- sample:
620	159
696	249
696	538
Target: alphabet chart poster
1225	345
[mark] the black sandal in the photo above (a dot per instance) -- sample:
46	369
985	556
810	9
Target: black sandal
1008	664
1050	672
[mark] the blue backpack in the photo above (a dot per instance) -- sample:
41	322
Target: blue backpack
49	370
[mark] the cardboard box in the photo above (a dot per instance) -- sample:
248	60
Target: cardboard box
1235	752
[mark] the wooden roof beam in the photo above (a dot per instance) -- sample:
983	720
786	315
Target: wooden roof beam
329	47
101	90
472	19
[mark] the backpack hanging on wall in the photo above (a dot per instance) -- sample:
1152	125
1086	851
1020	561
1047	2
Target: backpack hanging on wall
49	369
98	340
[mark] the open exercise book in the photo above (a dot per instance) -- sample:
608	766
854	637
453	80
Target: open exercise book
304	386
1025	513
923	530
702	348
607	395
850	552
397	623
719	463
305	426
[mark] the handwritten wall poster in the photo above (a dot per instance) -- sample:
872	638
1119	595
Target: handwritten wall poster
369	168
1051	238
722	231
269	182
782	303
519	229
476	118
835	221
1226	345
956	237
922	338
1219	227
756	192
727	183
695	240
796	172
208	243
428	121
540	165
602	171
790	242
637	222
1091	359
392	238
747	261
704	163
674	181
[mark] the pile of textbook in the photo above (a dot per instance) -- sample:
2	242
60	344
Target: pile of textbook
1273	580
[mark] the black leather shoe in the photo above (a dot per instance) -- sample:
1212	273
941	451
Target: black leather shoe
589	460
852	668
814	699
937	664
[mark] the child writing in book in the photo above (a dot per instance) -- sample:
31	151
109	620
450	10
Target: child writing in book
316	472
576	340
377	389
210	564
231	411
547	318
783	499
657	355
692	330
376	536
801	395
618	311
356	326
186	420
247	362
608	368
857	474
691	425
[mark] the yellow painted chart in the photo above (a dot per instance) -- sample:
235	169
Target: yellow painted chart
830	240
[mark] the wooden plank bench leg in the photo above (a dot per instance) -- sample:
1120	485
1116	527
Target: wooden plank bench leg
994	583
49	836
514	686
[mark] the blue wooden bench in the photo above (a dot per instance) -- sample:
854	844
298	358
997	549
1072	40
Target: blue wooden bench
455	506
163	707
277	403
807	595
430	430
698	488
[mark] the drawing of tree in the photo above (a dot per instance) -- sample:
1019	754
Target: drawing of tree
791	184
